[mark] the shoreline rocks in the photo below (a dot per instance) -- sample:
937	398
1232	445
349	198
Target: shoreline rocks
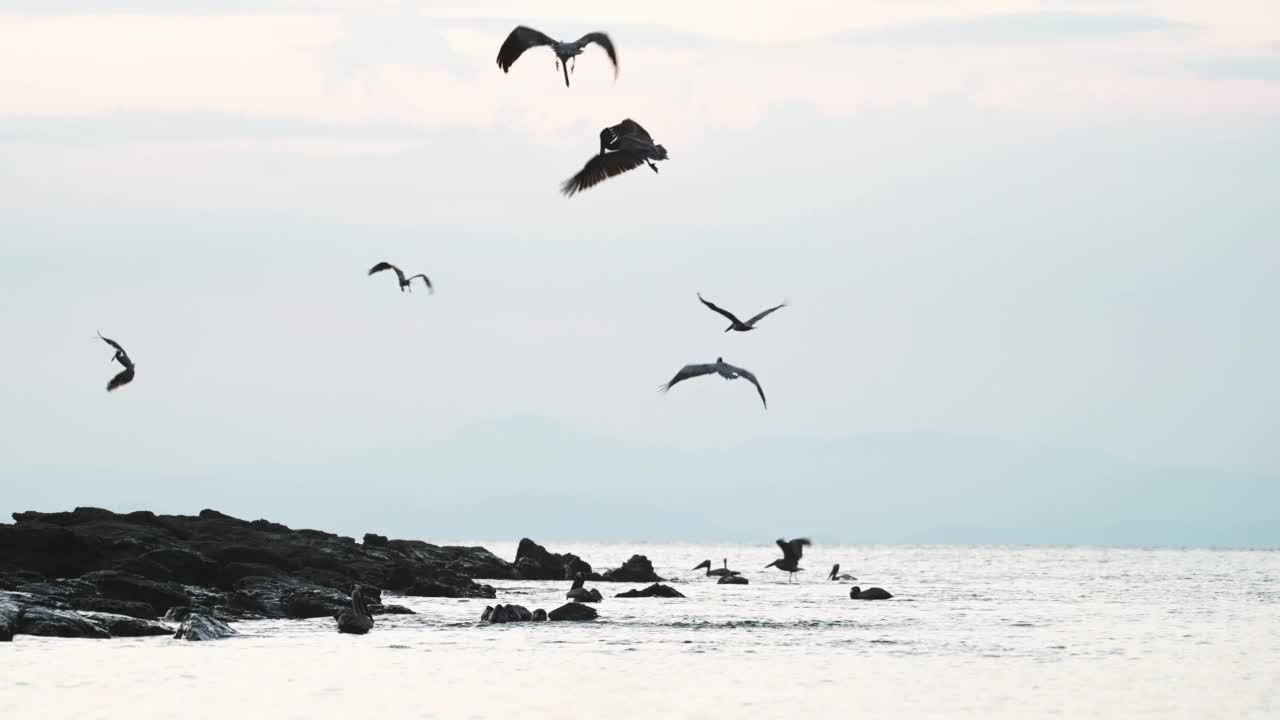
199	627
535	562
636	569
654	590
573	612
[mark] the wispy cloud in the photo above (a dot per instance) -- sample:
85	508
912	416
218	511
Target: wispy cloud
1027	28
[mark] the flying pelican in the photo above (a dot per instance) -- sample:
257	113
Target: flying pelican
126	375
727	371
724	571
737	324
404	282
625	146
791	552
835	574
356	619
523	38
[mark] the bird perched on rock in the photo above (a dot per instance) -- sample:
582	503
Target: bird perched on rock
405	283
724	369
125	376
791	552
734	322
523	38
623	147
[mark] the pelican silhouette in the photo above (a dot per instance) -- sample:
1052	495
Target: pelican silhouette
125	376
578	593
791	552
724	369
722	572
735	323
875	593
404	282
623	147
835	574
356	619
523	38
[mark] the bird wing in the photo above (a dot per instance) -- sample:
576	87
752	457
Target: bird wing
520	39
425	280
765	313
750	376
793	549
113	344
600	168
387	266
632	128
123	378
689	371
720	310
603	41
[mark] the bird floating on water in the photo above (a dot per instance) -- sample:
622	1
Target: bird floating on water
523	38
791	552
404	282
735	323
875	593
724	571
125	376
837	575
355	620
724	369
623	147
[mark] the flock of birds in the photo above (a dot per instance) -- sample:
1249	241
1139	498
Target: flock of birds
357	620
623	147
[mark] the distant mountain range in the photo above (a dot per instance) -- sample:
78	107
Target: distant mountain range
536	478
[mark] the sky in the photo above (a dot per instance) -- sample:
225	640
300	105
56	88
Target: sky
1048	224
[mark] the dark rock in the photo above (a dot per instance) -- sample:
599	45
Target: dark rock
232	573
875	593
48	550
732	580
187	566
390	610
11	581
145	568
203	627
125	626
506	614
654	590
288	598
124	586
442	588
129	608
637	569
177	614
573	611
48	622
58	593
10	617
534	562
375	540
539	615
208	514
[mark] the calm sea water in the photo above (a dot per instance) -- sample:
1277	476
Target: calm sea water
973	632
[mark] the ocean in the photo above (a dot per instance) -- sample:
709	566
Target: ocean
972	632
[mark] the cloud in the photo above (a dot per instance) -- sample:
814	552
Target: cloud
1262	67
1027	28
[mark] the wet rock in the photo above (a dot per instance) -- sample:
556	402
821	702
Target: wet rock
177	614
129	608
875	593
535	562
637	569
654	590
186	566
539	615
573	612
203	627
732	580
126	626
284	597
10	615
506	614
390	610
450	589
125	586
50	622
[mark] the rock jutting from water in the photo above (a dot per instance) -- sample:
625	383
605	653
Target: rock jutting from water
145	566
654	590
732	580
637	569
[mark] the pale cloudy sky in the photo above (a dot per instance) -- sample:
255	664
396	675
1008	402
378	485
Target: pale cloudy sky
1053	223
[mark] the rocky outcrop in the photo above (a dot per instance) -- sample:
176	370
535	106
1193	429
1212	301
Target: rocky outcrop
141	565
506	614
50	622
875	593
203	627
573	612
637	569
390	610
125	626
732	580
654	590
539	615
534	562
10	614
